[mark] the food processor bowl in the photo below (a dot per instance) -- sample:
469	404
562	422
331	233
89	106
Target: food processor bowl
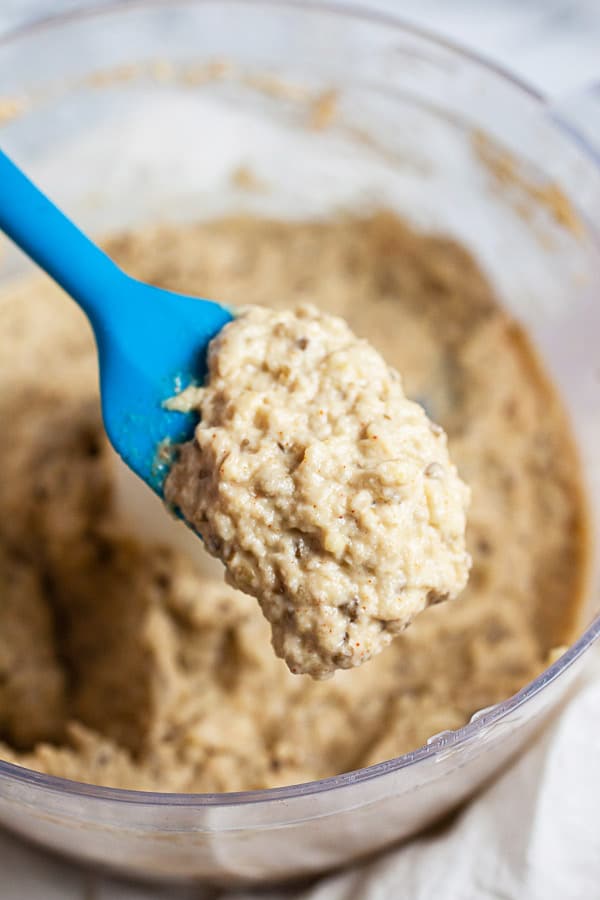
140	112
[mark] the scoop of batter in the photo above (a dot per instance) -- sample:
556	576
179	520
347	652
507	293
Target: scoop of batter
328	495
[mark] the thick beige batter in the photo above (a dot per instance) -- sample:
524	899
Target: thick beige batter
120	666
327	494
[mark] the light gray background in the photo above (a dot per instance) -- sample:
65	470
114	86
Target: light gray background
553	44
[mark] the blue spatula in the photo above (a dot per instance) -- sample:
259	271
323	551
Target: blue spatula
151	342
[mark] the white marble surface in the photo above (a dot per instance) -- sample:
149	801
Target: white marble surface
553	44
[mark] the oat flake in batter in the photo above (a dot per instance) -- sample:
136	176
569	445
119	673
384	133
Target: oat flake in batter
328	495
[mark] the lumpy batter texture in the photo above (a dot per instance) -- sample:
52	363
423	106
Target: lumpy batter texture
328	495
121	665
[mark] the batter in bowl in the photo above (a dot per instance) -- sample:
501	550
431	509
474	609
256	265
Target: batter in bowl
122	665
328	495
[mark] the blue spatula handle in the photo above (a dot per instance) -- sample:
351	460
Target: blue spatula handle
54	242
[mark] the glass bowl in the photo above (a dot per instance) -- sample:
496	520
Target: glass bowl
140	111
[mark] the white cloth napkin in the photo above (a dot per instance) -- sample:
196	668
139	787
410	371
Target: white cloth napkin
534	834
